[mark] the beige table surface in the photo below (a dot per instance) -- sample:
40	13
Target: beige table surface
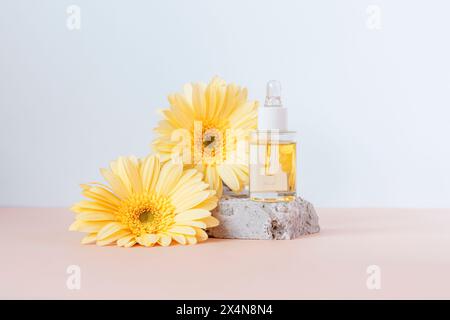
410	246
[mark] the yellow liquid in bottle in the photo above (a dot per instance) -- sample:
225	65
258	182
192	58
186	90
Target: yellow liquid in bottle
273	171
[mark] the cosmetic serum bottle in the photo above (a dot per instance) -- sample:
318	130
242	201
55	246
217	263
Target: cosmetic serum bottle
272	152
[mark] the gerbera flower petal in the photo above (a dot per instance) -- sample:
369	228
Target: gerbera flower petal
189	177
115	182
172	118
164	240
183	230
124	240
242	114
198	99
213	179
169	176
95	216
201	234
90	238
192	202
150	173
130	243
113	237
101	195
187	90
210	222
191	240
87	226
193	214
209	204
241	174
181	239
181	110
109	229
229	177
189	191
196	223
147	240
131	169
92	206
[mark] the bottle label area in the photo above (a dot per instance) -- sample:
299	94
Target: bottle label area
272	167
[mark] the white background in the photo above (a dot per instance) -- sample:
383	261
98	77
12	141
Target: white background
371	106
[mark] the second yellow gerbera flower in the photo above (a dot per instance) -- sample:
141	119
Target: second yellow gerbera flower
147	203
206	112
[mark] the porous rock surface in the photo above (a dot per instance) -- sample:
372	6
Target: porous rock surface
242	218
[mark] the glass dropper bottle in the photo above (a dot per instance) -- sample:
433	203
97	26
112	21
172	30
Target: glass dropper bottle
272	152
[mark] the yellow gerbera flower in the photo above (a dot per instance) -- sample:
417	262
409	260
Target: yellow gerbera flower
147	203
206	126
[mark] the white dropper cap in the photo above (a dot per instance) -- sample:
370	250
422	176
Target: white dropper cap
273	116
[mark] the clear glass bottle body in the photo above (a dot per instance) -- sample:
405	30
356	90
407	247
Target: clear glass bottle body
273	166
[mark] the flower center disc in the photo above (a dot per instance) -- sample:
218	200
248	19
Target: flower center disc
210	144
146	217
146	213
